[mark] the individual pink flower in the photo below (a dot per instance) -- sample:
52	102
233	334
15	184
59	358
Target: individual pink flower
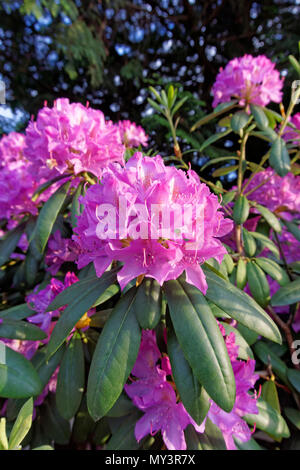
60	250
152	393
250	80
157	220
11	148
132	135
72	138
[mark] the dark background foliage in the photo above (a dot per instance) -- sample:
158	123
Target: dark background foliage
109	52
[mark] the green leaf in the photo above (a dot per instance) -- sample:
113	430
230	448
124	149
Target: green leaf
155	105
47	185
87	292
17	313
178	105
122	407
225	170
295	63
279	157
55	426
46	219
213	138
241	210
294	416
45	368
201	341
267	356
3	436
193	396
249	243
124	438
9	242
239	120
148	304
240	306
294	377
228	197
287	295
249	445
258	284
70	380
241	274
18	378
270	395
266	243
249	335
211	439
21	330
259	116
268	420
107	294
114	357
273	269
269	217
75	207
21	426
221	109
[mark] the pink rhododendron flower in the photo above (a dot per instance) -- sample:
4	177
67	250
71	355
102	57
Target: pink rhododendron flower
157	220
11	148
72	138
132	135
152	392
277	193
60	250
250	80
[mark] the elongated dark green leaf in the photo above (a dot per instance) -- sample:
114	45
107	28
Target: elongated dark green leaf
294	416
240	306
107	294
228	197
77	307
18	378
266	243
269	217
46	219
114	357
193	396
249	335
239	120
211	439
17	313
258	284
249	445
225	170
9	242
267	356
268	420
270	395
75	207
294	377
259	116
279	157
123	407
124	438
273	269
241	274
70	380
201	341
21	330
244	349
47	185
249	243
45	368
287	295
3	436
54	425
148	304
21	425
221	109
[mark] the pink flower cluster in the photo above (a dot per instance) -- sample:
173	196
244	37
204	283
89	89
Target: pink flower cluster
119	222
280	194
11	148
250	80
152	391
132	135
73	138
